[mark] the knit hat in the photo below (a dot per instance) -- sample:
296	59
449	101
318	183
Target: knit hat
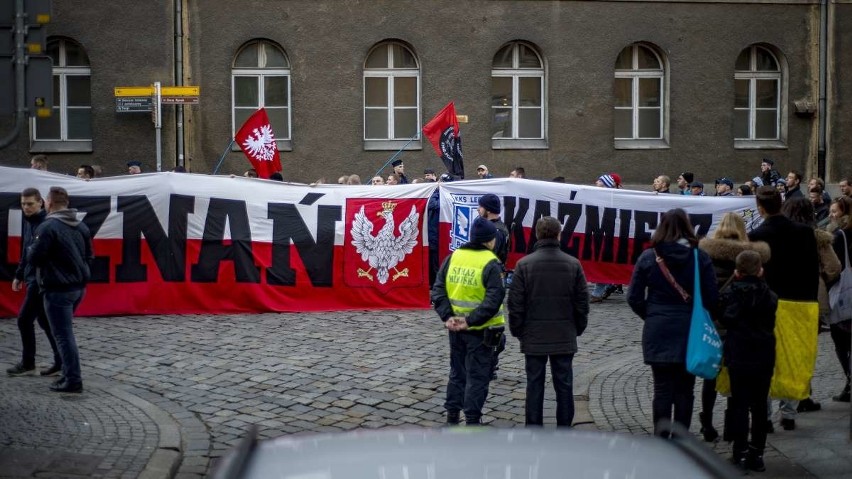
483	231
490	202
689	177
396	163
607	180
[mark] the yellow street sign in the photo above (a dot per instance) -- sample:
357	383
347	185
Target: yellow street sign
180	91
461	118
136	91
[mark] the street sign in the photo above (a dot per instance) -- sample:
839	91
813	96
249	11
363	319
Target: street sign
180	91
179	100
128	104
134	91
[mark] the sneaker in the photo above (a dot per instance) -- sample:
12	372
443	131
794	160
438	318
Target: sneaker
788	424
56	368
66	387
808	405
21	370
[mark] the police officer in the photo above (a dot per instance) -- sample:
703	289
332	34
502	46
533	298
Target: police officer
468	296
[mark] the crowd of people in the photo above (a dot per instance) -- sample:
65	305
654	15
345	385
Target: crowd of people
745	280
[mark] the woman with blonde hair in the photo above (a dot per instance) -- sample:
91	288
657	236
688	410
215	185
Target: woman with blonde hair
729	239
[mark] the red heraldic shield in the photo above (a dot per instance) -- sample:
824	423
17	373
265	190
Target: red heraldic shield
258	143
383	246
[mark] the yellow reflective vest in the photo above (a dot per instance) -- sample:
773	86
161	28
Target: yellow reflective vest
464	284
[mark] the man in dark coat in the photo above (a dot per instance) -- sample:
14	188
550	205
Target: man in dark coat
548	310
793	269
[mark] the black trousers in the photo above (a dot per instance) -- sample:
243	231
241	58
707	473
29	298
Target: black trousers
470	374
749	390
32	310
673	390
842	343
563	382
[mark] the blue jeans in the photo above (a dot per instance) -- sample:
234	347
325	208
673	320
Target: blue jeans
59	307
470	373
32	310
563	383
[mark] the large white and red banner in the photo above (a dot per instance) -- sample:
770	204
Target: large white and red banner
185	243
606	229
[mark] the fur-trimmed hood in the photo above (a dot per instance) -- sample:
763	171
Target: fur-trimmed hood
728	249
824	238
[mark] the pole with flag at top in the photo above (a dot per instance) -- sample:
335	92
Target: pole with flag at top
444	134
257	141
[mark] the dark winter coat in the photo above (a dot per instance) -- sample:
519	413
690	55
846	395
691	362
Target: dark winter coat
433	213
492	280
657	302
548	301
501	247
61	252
25	271
747	310
793	270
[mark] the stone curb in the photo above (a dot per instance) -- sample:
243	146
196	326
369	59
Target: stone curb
166	459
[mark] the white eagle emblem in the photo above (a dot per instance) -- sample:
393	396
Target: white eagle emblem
385	250
260	144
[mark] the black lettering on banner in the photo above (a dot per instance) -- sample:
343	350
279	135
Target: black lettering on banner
169	251
624	217
701	223
542	208
645	221
214	250
570	213
7	202
600	234
317	256
96	209
516	222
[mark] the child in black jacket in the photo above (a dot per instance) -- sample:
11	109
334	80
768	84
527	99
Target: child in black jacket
748	313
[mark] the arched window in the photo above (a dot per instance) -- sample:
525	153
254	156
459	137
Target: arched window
757	95
260	77
391	96
640	109
517	95
69	128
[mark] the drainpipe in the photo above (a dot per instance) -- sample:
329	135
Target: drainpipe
179	78
823	78
20	78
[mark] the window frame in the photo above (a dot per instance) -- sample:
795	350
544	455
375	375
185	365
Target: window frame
753	75
63	144
515	73
283	142
635	74
391	73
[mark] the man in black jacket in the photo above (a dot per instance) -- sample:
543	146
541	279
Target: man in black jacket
32	308
793	269
548	310
62	253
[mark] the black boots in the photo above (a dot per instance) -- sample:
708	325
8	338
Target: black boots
808	405
707	429
844	395
452	418
750	459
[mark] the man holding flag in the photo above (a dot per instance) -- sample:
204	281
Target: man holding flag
257	141
443	132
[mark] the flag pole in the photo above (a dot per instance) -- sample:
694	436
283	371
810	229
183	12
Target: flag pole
222	158
399	152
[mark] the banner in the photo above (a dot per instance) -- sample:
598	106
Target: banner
186	243
605	228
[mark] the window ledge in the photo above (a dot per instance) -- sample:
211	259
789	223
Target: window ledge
641	145
283	145
522	144
47	146
759	145
393	145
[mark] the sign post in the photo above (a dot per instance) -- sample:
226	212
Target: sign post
158	123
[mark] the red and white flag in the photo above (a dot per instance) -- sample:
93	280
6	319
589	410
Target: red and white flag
258	143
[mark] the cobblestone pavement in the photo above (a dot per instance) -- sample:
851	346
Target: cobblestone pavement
201	380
